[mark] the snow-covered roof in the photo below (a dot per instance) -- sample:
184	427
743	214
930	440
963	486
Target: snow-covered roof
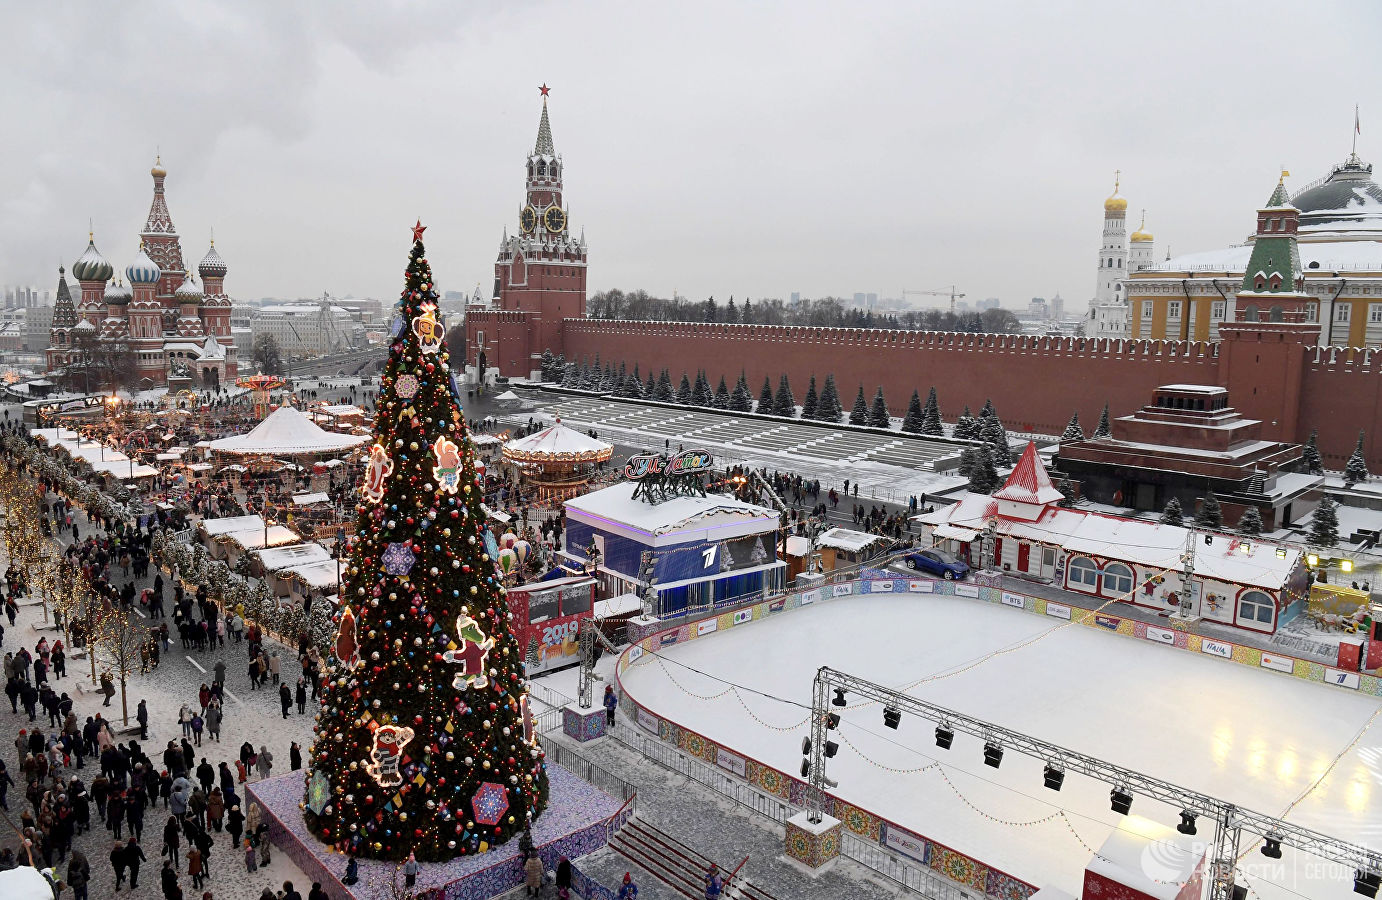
1029	482
343	409
557	443
482	439
229	524
680	519
320	575
1331	256
25	883
309	499
847	540
276	558
253	539
286	430
622	605
1151	544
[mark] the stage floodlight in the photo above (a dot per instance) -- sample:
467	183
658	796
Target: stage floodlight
1271	846
1120	800
892	717
1053	777
1366	883
993	755
832	721
831	748
806	768
944	737
806	746
839	697
1187	822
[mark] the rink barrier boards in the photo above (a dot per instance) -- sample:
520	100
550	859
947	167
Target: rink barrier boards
874	830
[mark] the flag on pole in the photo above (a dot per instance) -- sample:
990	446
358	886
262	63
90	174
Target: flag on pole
1356	129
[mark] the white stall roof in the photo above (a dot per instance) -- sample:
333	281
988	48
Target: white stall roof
276	558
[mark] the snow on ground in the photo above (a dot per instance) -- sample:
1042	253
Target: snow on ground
1251	737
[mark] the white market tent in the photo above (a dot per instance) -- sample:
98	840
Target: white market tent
310	499
103	460
276	558
25	883
287	431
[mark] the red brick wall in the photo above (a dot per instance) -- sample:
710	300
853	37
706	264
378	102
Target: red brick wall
1341	392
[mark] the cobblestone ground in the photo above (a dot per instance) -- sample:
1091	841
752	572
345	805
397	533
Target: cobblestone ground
715	827
250	715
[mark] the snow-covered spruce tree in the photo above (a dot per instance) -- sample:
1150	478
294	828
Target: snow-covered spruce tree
911	422
1250	522
878	413
1356	469
721	398
860	414
983	477
1324	524
1211	515
966	428
1172	514
931	416
649	388
765	398
830	409
993	432
701	394
740	400
1104	430
1073	431
810	402
423	743
684	391
1310	455
784	404
546	365
1067	491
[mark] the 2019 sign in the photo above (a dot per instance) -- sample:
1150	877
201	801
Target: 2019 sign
558	634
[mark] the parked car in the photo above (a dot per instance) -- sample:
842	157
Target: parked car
938	562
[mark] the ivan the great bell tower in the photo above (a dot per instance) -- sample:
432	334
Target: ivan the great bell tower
539	277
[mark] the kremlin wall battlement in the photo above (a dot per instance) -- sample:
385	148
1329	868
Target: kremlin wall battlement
1273	372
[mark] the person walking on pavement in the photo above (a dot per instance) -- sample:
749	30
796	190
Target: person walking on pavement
610	703
628	890
172	840
142	717
285	697
118	863
714	884
78	875
134	858
266	762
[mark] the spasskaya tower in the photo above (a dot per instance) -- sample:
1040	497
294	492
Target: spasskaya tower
539	277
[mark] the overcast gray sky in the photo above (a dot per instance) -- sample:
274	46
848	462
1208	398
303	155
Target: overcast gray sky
711	148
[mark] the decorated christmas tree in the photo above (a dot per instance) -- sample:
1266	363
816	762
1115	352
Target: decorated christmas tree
424	742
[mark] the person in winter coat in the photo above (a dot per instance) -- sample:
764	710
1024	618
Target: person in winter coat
251	858
235	825
134	858
294	757
213	722
172	841
119	864
285	697
265	763
610	703
194	867
410	870
274	666
301	696
564	873
714	884
252	821
532	875
142	717
352	872
628	890
168	881
78	875
215	808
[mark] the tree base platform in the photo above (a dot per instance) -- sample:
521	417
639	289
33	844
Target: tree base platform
576	822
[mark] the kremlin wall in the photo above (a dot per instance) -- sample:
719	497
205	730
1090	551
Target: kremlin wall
1274	366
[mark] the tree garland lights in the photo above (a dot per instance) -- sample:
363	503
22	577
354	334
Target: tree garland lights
421	743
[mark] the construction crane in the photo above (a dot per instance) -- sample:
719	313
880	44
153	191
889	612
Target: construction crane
949	292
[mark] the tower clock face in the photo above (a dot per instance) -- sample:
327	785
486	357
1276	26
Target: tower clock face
554	219
528	219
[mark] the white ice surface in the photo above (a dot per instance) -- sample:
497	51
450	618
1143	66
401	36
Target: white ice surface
1249	736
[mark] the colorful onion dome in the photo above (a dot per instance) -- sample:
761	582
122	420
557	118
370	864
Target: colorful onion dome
188	292
117	293
143	270
91	265
212	266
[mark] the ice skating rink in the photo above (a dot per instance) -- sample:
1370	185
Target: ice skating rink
1252	737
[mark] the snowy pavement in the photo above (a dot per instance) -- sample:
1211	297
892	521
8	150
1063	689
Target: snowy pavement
1258	740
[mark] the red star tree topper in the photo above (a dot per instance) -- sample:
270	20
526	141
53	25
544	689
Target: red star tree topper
426	692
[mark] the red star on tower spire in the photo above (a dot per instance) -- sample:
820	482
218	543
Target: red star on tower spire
418	229
544	89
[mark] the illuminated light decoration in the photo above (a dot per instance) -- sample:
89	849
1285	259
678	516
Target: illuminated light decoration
399	558
447	471
490	803
377	472
428	329
318	791
406	386
472	654
387	754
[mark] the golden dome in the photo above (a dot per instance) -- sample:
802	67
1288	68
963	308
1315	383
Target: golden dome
1115	203
1139	236
158	171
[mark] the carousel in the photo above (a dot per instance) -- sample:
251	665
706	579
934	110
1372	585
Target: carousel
558	461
